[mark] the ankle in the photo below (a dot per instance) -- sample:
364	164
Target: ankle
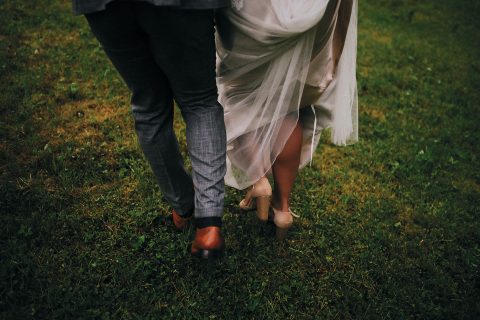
282	206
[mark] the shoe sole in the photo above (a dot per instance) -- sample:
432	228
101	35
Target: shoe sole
208	254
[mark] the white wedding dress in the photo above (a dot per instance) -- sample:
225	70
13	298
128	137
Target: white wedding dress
279	62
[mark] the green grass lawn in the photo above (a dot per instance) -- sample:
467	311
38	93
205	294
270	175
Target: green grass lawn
389	227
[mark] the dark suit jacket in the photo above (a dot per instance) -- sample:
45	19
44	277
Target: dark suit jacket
89	6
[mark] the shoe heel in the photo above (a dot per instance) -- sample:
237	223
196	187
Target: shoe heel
208	254
283	221
263	205
281	233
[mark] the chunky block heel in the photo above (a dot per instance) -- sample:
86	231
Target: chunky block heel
258	197
283	220
281	234
263	205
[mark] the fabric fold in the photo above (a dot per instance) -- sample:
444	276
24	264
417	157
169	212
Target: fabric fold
276	59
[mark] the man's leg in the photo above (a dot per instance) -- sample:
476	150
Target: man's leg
152	99
184	47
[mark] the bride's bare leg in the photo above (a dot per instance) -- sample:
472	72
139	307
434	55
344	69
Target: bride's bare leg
285	169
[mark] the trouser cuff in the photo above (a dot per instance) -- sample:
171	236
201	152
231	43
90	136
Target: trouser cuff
216	212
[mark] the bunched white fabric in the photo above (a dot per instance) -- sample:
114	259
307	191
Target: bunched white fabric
279	62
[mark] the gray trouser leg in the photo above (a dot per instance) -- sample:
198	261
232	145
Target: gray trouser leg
206	139
186	53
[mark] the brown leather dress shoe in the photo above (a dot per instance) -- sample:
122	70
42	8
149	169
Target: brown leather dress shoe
180	222
208	243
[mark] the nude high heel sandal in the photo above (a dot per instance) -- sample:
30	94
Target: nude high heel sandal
283	221
258	197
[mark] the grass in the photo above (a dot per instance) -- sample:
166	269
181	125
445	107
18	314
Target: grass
389	229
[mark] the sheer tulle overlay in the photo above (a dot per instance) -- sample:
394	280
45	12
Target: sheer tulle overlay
280	62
